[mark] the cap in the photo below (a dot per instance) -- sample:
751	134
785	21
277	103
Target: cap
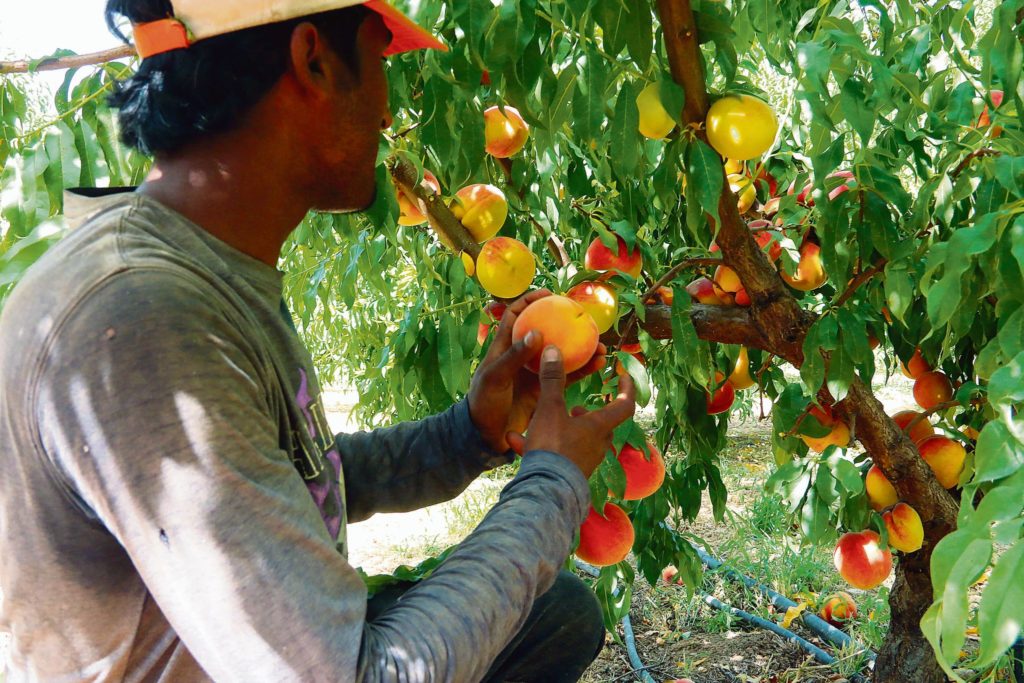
195	20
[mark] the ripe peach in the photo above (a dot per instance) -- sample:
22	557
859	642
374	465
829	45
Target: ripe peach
468	263
564	323
743	188
945	457
916	366
740	378
605	540
839	437
727	280
931	389
770	240
599	300
600	258
732	166
671	575
491	317
742	298
505	267
881	492
920	431
723	397
984	120
633	350
410	213
643	476
906	533
703	290
860	560
810	273
482	209
655	122
838	609
664	296
741	126
504	134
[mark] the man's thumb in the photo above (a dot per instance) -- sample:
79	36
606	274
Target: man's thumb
552	378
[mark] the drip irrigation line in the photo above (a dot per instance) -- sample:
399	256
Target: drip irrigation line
779	600
814	623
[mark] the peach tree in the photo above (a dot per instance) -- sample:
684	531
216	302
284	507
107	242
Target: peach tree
885	211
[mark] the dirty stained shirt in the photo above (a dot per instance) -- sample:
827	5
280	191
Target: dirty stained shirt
173	504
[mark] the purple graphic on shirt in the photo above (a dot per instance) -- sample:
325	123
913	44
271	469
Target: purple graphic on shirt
324	487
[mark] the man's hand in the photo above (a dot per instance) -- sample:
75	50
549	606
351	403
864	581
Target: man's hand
585	436
504	393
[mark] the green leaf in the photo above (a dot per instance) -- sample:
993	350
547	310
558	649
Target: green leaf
641	379
1009	172
958	561
613	17
451	362
1001	611
1006	387
704	176
946	296
625	135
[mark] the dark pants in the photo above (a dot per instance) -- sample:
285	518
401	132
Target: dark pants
562	636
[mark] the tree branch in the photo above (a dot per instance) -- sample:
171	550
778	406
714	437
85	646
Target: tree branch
860	280
24	66
722	324
452	232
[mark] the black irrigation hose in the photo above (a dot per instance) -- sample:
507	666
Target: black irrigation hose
814	623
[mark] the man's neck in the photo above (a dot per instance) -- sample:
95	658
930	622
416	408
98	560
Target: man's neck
237	190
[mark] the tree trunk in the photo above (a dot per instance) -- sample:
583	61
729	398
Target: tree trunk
906	655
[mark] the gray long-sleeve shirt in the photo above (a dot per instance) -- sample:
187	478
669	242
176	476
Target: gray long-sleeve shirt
173	506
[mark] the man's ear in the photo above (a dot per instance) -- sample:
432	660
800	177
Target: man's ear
310	60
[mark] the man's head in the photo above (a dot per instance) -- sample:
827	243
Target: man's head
317	80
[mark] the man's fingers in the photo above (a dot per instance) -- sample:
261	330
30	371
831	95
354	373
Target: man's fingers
620	409
522	302
596	364
516	441
505	368
552	381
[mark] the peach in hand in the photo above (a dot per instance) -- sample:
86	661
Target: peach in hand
861	561
605	540
562	322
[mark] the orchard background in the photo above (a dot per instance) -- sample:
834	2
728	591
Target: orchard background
923	252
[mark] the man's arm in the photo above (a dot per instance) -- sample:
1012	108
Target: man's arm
413	464
151	407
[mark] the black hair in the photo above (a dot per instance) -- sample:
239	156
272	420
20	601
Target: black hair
180	96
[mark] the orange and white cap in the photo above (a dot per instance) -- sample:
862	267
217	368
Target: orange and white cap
195	20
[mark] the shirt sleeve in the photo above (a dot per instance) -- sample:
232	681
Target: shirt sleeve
413	464
151	404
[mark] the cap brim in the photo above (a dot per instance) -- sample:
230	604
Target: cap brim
406	34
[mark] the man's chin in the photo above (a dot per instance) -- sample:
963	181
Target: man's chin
348	205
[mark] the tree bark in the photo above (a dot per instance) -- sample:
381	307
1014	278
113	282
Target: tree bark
777	321
23	66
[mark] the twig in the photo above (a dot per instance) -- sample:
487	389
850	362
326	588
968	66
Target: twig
863	277
440	217
924	415
24	66
986	152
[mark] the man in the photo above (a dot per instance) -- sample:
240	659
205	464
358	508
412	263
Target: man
172	506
